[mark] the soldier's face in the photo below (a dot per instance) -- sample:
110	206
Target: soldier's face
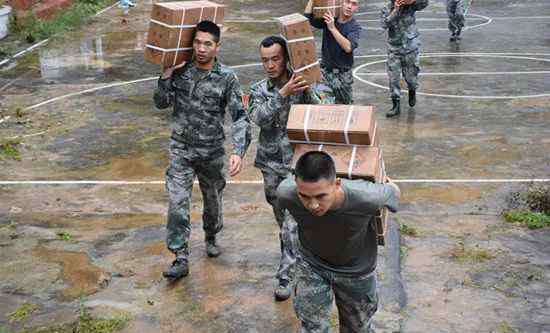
273	60
205	47
318	197
349	7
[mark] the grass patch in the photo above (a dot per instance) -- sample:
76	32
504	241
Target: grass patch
85	324
9	149
32	29
530	219
408	230
63	235
474	255
23	312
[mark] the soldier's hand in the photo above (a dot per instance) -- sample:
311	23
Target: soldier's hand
295	85
329	20
167	72
235	165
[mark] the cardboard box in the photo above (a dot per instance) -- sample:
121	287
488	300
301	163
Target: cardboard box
296	30
320	7
340	124
170	37
352	162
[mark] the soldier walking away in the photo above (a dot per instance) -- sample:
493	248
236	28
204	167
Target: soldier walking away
340	39
337	248
269	106
199	92
456	13
403	42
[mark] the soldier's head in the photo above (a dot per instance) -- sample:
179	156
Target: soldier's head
348	8
316	182
206	42
274	56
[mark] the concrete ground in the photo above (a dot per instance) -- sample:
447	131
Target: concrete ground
86	114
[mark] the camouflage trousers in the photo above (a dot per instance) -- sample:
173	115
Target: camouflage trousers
406	63
287	226
356	299
455	11
184	166
340	83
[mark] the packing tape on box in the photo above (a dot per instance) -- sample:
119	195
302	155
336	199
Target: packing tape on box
352	161
306	67
325	143
306	122
320	148
325	7
348	121
296	40
167	50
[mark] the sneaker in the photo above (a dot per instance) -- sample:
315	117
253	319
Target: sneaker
282	292
178	269
212	250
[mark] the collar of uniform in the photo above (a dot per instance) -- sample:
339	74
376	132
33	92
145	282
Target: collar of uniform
216	68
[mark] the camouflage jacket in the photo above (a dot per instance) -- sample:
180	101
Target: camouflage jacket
199	101
269	110
403	34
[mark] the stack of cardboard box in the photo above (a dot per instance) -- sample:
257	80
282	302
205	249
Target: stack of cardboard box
349	134
296	30
170	37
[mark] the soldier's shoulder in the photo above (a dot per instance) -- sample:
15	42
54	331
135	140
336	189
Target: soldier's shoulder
226	70
287	189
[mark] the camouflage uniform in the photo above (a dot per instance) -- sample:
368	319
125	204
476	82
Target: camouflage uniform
356	298
196	145
269	110
403	45
455	11
341	83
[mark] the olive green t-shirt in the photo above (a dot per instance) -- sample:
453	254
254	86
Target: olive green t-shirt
342	240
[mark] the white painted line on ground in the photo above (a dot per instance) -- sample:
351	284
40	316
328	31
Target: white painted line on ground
425	19
259	182
459	73
465	54
106	9
521	18
468	27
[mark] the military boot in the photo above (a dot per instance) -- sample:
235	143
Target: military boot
282	292
212	250
453	37
395	110
412	97
457	34
178	269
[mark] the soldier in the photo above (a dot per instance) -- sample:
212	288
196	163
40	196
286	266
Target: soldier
455	11
200	91
336	258
399	18
270	101
340	39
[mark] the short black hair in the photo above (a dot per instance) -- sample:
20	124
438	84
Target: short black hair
272	40
210	27
315	165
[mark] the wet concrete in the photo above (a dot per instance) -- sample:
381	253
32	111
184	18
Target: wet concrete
113	252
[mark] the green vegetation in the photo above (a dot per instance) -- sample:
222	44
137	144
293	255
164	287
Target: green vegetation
527	218
85	324
408	230
474	255
63	235
504	327
32	29
9	149
23	312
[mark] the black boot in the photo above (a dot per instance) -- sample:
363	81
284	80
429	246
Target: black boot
282	293
396	109
453	37
212	249
412	97
457	34
178	269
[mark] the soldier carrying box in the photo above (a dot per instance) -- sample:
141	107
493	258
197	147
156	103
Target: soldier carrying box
200	91
336	258
340	38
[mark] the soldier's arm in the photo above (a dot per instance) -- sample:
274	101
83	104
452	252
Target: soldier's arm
264	111
388	15
310	96
241	123
420	4
164	94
